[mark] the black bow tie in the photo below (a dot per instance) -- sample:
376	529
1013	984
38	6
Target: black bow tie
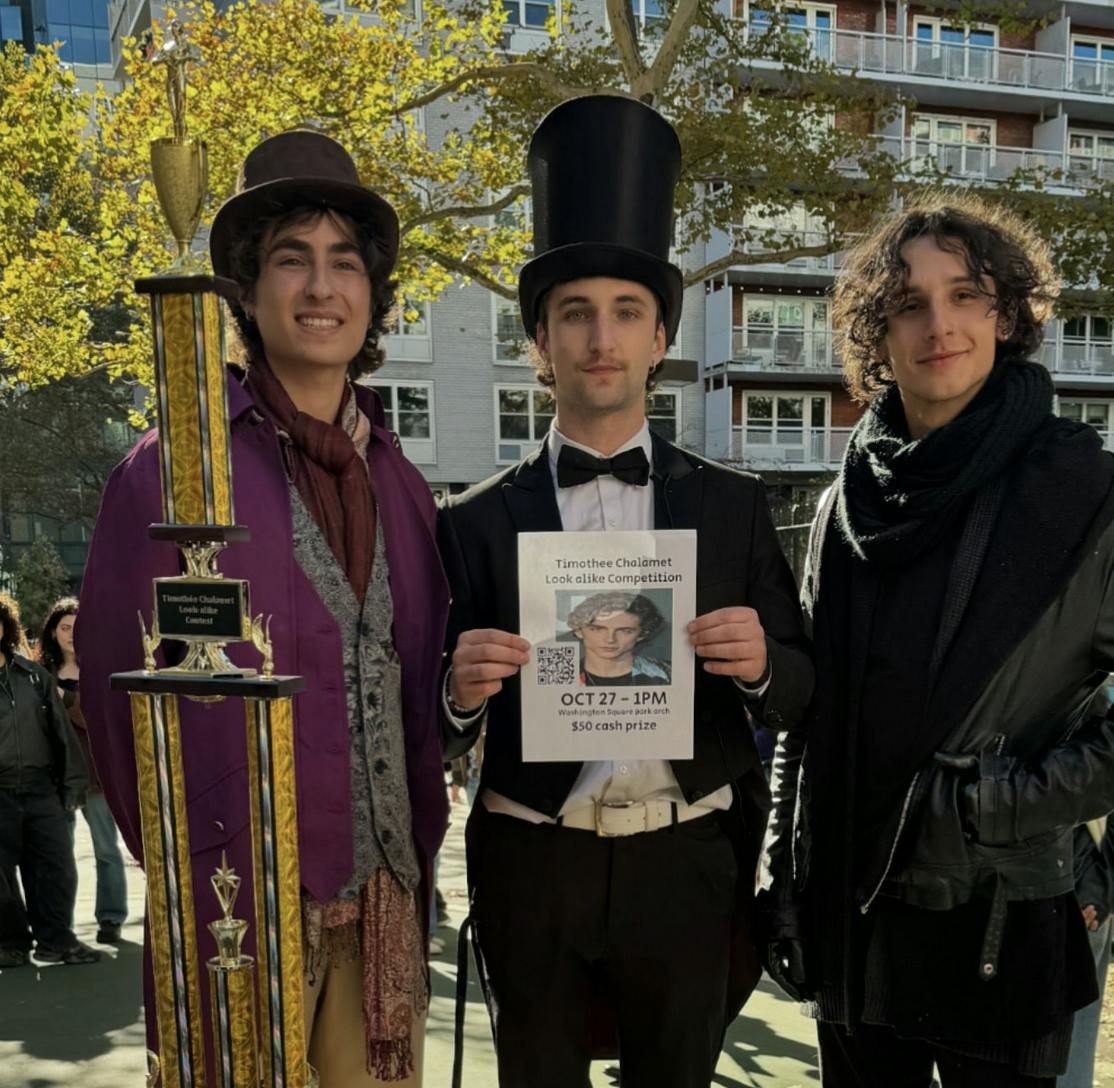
575	466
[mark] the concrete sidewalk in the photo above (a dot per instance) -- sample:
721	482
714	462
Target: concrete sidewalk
84	1025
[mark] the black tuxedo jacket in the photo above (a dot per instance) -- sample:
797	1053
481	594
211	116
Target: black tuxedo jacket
739	562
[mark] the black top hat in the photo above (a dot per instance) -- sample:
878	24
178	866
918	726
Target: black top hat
603	169
295	168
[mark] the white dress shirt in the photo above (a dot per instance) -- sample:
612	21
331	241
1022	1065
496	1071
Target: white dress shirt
606	503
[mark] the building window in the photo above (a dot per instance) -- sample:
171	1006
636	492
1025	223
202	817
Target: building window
11	24
1095	328
409	410
523	415
1098	413
815	21
651	17
953	52
787	429
961	145
81	28
533	14
663	411
21	529
1092	152
784	331
1092	64
510	340
408	337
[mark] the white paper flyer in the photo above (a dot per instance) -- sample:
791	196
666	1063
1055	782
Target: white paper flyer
611	669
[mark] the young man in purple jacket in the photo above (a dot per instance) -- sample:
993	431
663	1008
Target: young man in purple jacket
342	541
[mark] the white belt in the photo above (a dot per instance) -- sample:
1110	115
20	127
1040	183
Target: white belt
609	819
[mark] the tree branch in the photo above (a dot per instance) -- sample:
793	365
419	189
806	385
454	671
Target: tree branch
496	72
620	17
652	82
466	211
463	268
741	257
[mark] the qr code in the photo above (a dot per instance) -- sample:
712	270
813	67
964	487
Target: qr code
557	664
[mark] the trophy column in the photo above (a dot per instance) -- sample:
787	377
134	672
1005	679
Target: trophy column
166	852
278	907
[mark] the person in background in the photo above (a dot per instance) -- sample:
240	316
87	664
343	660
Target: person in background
1094	889
42	783
56	652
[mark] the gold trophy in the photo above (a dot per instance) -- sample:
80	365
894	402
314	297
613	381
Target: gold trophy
232	985
205	611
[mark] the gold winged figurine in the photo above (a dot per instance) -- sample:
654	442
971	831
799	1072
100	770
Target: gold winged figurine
261	640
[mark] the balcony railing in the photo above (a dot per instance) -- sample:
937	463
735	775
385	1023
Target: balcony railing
1072	357
758	348
891	54
786	447
794	239
993	162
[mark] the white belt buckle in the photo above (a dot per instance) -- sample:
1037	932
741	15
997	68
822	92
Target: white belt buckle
600	806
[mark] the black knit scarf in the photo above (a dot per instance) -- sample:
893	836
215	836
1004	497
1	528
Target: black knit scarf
897	495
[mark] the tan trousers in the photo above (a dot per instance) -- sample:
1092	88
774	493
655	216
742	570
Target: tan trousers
335	1029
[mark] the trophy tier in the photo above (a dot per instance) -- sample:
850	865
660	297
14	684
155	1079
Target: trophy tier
239	687
175	283
199	534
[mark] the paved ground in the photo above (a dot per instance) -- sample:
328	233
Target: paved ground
84	1025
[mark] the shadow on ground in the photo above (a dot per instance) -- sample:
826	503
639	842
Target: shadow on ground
67	1013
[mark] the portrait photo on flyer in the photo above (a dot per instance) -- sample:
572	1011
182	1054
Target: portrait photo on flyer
610	674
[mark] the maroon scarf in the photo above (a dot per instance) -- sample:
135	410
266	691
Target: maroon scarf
330	474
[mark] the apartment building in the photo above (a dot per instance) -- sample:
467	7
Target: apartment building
987	102
753	379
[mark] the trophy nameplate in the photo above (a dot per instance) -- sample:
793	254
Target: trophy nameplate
202	609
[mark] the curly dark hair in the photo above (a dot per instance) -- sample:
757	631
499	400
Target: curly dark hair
50	652
994	243
650	619
12	638
244	259
543	369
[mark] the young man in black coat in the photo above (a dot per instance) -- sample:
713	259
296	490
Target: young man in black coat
622	887
43	781
919	890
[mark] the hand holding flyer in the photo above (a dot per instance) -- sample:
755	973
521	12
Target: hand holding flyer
611	672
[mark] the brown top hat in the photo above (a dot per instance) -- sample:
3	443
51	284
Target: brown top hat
297	168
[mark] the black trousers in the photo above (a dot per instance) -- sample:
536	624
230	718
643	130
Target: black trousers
565	920
875	1057
36	834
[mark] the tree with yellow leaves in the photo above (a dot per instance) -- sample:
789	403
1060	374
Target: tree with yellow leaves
767	126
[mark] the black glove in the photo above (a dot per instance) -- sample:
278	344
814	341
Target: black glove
785	964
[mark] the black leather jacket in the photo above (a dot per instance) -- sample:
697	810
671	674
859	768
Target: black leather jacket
36	736
992	815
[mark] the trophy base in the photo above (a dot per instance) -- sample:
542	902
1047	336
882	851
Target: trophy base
199	534
236	685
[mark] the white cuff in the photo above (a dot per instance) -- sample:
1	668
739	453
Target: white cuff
750	690
460	722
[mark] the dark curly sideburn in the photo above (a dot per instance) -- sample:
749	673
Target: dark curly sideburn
244	258
994	243
11	631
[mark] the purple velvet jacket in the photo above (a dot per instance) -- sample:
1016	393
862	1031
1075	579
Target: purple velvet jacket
123	560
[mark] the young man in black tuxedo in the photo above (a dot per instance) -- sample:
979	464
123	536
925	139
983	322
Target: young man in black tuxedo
619	888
